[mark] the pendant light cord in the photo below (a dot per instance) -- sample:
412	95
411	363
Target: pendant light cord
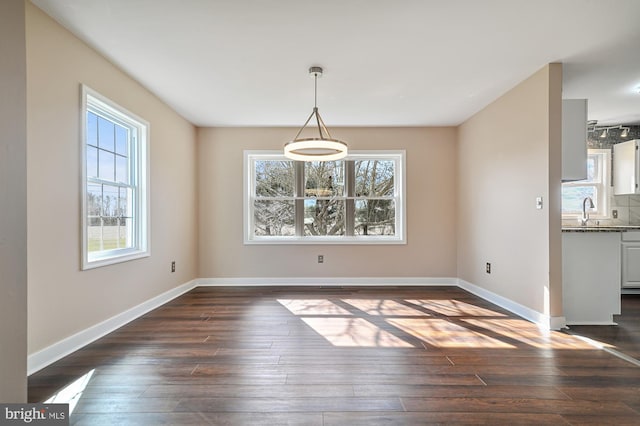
315	104
315	90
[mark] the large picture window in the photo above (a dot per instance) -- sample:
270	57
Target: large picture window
356	200
114	182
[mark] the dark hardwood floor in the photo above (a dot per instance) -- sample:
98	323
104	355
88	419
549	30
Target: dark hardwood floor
624	337
339	356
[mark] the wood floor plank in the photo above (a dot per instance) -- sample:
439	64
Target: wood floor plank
120	405
524	380
359	379
603	393
329	359
197	419
292	405
516	405
253	391
580	420
460	391
426	418
597	360
628	371
206	369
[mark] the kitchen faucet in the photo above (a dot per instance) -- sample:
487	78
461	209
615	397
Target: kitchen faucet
585	216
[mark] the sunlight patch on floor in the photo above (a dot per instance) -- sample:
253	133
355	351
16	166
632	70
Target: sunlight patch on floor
313	307
384	307
444	334
354	332
72	393
455	308
341	327
529	333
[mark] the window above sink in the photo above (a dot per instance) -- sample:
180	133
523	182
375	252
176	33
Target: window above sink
596	187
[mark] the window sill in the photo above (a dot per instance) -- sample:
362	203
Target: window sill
112	259
579	216
326	240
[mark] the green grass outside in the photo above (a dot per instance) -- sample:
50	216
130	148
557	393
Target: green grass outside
109	244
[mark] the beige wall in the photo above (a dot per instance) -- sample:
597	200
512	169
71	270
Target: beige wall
431	223
509	154
13	203
62	299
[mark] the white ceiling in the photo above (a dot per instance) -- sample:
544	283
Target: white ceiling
387	62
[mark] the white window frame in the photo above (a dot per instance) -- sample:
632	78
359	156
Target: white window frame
398	156
602	184
139	170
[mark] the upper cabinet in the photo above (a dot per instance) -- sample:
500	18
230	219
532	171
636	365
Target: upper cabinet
574	139
626	170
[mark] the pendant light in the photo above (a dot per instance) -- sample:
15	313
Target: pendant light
321	148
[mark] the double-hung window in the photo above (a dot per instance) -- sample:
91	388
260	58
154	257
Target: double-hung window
359	200
596	187
115	172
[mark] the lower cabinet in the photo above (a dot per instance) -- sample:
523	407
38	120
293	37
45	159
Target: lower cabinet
631	260
591	277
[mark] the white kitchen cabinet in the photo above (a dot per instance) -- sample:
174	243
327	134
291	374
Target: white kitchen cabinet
591	277
574	139
631	260
626	168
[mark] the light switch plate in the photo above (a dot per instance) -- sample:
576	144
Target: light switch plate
539	203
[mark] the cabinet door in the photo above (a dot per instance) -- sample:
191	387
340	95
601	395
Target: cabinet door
625	168
574	139
631	265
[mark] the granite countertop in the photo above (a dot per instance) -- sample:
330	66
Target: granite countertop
601	228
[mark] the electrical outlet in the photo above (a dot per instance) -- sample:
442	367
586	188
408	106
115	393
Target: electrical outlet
614	213
320	258
173	266
488	268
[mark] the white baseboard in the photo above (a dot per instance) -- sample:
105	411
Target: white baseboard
557	323
570	323
331	281
64	347
543	321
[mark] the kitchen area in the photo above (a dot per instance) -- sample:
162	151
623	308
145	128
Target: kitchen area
600	216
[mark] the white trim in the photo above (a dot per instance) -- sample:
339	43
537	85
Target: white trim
64	347
125	256
140	158
335	240
332	281
543	321
398	156
603	186
570	323
557	323
247	222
